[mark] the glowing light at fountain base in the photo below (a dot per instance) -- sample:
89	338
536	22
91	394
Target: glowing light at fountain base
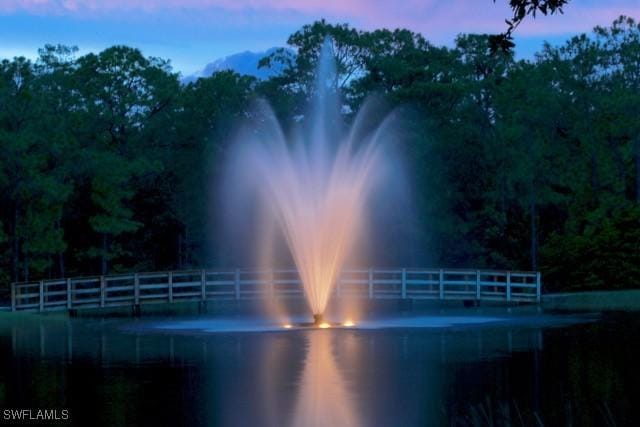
319	323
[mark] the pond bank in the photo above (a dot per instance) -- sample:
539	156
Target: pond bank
624	300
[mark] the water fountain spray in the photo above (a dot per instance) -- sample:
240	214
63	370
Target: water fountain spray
314	185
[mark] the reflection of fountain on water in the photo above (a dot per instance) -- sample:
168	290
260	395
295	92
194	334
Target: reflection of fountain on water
323	398
313	187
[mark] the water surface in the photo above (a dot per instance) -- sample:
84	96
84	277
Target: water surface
437	369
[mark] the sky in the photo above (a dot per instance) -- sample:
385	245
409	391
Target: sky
192	33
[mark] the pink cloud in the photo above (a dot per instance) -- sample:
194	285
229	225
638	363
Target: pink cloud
64	6
436	19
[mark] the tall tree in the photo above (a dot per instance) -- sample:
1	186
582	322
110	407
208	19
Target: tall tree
122	94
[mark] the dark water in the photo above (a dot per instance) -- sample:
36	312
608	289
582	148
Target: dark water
524	371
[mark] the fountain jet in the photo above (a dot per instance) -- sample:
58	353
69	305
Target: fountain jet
312	186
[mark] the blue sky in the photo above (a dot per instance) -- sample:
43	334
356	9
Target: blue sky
194	32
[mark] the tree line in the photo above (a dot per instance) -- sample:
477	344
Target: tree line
108	162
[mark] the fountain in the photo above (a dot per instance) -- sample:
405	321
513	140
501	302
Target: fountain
313	186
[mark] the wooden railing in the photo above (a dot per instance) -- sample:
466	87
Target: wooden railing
203	285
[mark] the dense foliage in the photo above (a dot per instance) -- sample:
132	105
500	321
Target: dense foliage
108	162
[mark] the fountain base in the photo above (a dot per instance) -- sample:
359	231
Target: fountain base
318	323
318	319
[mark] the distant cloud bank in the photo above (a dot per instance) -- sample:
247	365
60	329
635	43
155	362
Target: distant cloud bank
426	16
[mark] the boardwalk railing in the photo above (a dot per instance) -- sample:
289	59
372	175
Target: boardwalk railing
203	285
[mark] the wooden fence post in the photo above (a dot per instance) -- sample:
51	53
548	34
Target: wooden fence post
508	286
136	289
272	286
370	283
237	283
13	297
203	284
41	295
404	283
170	286
538	287
102	291
478	285
441	284
69	294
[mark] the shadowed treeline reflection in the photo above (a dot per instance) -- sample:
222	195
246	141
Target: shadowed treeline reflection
118	372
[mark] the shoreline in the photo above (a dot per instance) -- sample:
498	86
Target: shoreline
619	300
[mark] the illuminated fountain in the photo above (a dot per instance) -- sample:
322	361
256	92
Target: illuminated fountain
312	187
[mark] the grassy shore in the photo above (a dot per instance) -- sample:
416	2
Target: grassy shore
628	300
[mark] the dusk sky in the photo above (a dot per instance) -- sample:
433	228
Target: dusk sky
194	32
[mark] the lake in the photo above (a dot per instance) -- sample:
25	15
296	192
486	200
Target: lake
439	367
